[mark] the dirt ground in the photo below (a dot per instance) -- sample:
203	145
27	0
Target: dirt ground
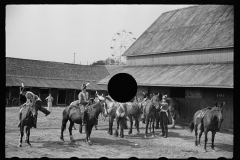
46	143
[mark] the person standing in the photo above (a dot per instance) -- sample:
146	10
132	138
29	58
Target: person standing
49	99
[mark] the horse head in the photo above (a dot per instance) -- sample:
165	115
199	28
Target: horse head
102	102
155	101
218	113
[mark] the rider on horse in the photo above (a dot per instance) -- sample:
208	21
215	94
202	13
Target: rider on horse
83	101
31	99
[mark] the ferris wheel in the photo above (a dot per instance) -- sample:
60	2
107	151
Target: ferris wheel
119	44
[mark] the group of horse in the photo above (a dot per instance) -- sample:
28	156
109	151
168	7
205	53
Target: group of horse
133	110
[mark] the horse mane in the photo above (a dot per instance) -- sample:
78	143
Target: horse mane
109	98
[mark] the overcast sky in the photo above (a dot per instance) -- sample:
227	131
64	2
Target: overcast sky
55	32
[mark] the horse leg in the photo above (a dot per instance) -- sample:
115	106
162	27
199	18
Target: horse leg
150	122
21	135
122	124
196	134
89	131
213	136
110	125
137	125
173	122
70	130
157	121
80	128
205	144
116	130
200	134
63	127
153	119
28	136
131	124
146	130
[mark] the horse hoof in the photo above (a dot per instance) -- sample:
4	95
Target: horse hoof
29	144
89	142
19	145
62	139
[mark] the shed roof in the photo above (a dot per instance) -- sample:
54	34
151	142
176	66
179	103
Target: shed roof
193	28
218	75
52	74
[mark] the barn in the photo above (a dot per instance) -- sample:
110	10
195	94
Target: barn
188	54
62	80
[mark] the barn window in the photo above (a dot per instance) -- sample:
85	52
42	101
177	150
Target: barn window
177	92
193	93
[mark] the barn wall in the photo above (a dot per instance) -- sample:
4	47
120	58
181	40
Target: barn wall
188	106
203	56
70	96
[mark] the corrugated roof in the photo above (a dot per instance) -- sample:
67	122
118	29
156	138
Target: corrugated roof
192	28
190	75
51	83
52	74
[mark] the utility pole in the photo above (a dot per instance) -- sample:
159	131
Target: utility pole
74	58
87	62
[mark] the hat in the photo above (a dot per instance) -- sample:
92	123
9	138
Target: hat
83	86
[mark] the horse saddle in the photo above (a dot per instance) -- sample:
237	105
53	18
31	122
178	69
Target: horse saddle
120	110
203	112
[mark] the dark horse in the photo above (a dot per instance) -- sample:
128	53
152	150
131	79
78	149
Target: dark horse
151	109
27	120
72	114
210	121
132	110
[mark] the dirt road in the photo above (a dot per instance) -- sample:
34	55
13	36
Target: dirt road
46	143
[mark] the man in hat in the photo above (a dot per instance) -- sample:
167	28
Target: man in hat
31	99
83	97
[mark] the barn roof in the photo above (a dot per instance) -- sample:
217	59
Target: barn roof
193	28
53	74
219	75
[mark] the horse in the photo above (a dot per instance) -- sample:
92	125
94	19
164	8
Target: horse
151	109
27	120
71	114
173	108
132	110
210	121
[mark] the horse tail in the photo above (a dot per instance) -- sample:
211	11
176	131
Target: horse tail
64	118
191	126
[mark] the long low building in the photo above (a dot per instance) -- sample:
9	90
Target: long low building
62	80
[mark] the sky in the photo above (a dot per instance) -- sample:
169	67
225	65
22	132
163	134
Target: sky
56	32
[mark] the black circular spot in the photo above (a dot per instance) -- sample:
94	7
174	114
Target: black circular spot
122	87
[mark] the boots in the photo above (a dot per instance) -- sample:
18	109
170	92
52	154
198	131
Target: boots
166	134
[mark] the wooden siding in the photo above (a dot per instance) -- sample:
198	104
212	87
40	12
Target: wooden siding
204	56
188	106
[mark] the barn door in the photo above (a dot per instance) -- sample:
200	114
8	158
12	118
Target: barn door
62	96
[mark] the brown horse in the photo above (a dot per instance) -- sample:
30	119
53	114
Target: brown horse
27	120
211	120
72	114
132	110
173	108
151	109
